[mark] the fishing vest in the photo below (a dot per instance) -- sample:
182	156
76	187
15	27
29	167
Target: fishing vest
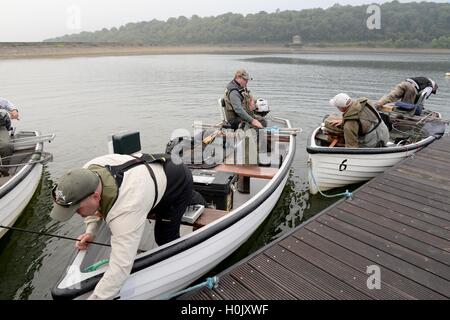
420	83
5	120
245	97
369	119
112	177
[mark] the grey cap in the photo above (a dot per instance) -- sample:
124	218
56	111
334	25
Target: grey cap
73	187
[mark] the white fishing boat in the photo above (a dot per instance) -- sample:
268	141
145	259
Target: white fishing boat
233	215
25	170
332	165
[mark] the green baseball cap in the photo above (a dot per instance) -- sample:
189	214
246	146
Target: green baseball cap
73	187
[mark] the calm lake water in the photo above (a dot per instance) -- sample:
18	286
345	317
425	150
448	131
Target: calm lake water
84	100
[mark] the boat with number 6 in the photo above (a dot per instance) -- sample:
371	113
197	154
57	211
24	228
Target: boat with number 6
331	165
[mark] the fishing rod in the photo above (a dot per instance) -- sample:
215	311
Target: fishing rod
52	235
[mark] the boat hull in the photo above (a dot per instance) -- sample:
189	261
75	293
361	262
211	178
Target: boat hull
330	168
18	191
161	281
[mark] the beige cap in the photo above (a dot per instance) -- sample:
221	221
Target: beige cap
242	73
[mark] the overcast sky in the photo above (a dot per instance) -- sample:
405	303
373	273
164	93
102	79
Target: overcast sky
36	20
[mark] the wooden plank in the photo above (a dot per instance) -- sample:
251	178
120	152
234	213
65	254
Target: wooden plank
286	279
409	249
416	177
352	228
416	184
381	258
333	143
361	262
444	148
248	170
402	214
435	168
437	153
259	284
203	294
230	289
410	204
433	179
430	160
208	216
337	278
423	199
440	145
396	222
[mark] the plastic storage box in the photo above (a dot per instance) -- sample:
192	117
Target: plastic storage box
215	187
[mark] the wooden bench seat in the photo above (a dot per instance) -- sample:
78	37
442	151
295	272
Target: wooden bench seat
207	216
248	170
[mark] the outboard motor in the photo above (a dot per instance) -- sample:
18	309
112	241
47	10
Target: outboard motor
262	107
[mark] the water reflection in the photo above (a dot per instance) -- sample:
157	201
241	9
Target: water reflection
372	64
21	254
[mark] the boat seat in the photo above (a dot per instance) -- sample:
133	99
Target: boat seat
248	170
208	216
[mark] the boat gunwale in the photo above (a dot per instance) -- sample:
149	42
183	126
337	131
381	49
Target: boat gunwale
385	150
23	173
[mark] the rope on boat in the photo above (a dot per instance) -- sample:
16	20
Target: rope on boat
45	157
209	283
347	194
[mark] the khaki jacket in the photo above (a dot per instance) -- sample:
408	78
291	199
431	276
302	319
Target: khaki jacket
359	122
404	91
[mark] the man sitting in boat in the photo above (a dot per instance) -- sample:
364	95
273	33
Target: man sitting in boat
122	190
409	91
362	124
239	103
7	112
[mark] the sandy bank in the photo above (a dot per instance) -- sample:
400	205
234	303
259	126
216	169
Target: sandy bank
64	50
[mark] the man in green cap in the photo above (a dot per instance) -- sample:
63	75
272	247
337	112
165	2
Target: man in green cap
239	103
122	190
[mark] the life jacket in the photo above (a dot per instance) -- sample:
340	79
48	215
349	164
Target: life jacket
420	83
369	119
5	120
245	97
112	177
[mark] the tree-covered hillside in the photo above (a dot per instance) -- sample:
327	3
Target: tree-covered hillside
402	25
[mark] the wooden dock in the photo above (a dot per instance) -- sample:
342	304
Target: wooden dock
390	241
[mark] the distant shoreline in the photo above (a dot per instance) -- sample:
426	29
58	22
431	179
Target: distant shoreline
38	50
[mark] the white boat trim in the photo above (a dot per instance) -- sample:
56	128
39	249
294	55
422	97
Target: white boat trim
18	191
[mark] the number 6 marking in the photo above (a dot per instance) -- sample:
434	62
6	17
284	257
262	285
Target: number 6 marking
343	165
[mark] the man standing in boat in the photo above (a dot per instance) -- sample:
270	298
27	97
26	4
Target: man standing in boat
409	91
239	103
7	112
122	190
362	124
